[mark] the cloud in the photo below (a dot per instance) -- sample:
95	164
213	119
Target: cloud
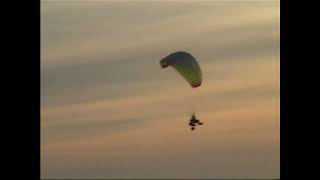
106	104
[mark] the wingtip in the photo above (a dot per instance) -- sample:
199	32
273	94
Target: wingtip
196	85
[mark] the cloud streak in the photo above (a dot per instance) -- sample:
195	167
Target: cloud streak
106	104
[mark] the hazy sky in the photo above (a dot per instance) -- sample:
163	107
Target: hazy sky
109	111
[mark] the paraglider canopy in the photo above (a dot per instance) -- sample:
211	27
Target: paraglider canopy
186	65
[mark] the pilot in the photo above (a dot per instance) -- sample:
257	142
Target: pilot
194	122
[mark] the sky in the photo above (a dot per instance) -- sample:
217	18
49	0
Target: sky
108	110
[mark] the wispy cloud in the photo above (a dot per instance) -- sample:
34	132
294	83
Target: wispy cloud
106	104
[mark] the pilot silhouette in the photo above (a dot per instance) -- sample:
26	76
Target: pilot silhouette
194	122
